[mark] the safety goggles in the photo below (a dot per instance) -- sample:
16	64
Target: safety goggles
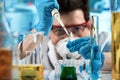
58	30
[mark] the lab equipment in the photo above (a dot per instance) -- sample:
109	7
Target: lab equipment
68	73
71	68
115	39
31	72
31	66
96	63
38	41
5	47
95	49
56	15
68	70
94	29
44	8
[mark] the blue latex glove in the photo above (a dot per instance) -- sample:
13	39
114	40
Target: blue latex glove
83	46
44	8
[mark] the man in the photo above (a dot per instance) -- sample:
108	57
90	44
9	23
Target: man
72	16
75	16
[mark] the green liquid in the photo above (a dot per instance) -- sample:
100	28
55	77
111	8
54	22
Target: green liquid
68	73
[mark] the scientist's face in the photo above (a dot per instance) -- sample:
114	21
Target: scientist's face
75	23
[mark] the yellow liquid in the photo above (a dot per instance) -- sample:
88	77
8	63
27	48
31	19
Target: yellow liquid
116	46
31	72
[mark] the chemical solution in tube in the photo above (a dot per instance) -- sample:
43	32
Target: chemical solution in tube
115	45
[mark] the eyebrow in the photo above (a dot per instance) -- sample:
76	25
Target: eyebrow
70	26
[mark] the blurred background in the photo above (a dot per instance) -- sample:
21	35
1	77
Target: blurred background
101	8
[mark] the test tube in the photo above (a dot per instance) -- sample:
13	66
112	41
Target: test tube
38	41
94	34
95	30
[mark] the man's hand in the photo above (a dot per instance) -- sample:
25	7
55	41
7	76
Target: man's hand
84	47
44	8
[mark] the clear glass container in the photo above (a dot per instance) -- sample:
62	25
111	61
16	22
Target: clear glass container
94	30
68	70
30	67
115	6
5	48
71	69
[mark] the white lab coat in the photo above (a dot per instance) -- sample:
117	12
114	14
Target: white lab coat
50	57
44	55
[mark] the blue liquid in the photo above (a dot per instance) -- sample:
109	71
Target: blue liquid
81	68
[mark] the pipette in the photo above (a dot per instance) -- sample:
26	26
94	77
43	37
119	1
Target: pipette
56	15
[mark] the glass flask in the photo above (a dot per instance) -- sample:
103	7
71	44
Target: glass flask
71	69
5	47
68	71
115	6
31	67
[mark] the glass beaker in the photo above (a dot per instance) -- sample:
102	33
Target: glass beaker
68	70
115	6
68	73
30	66
5	56
71	69
5	48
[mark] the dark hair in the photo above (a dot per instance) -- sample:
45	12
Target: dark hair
67	6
